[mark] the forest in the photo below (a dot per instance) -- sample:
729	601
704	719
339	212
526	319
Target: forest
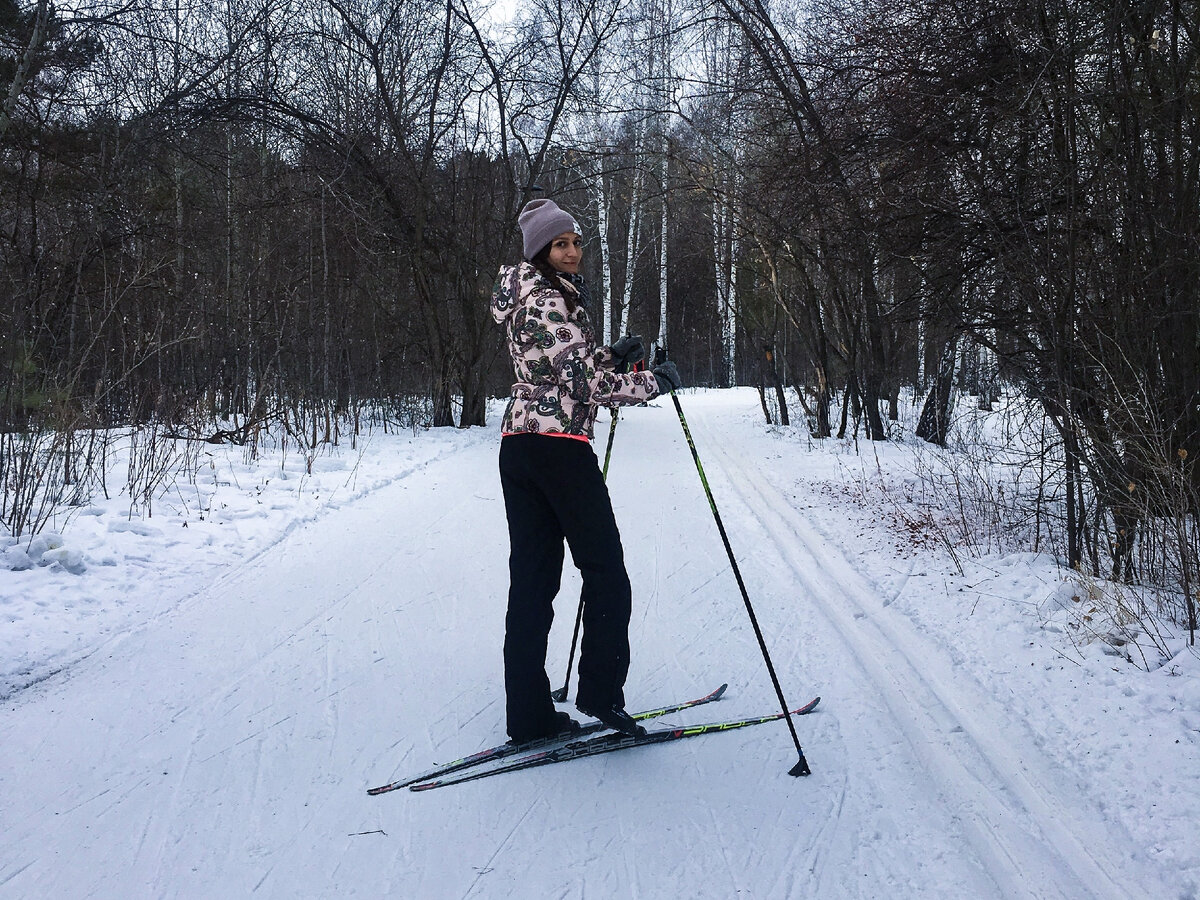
220	220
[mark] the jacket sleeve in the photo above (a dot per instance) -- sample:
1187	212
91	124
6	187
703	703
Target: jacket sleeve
586	372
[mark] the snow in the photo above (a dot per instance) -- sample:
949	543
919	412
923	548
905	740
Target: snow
195	703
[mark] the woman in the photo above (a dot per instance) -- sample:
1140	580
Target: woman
553	489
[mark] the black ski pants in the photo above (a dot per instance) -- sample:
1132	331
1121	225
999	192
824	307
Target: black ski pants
553	490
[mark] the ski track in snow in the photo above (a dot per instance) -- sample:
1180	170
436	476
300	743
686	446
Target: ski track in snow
1012	807
223	748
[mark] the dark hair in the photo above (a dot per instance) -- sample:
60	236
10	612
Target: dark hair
541	262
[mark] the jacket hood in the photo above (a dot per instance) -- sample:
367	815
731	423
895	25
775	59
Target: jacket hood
506	294
515	284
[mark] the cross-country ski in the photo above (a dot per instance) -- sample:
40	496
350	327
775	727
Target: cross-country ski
605	743
509	748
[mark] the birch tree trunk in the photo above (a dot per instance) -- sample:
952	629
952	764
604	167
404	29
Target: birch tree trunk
632	236
21	77
665	97
731	310
662	252
600	190
725	251
599	186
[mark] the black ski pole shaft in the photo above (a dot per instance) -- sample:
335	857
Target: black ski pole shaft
560	695
801	767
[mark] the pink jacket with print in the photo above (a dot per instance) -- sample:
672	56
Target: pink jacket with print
562	376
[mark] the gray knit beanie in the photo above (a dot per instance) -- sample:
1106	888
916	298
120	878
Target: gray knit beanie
541	222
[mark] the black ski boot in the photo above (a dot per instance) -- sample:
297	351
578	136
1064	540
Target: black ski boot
615	718
563	727
566	725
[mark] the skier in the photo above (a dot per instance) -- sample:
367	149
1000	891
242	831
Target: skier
553	488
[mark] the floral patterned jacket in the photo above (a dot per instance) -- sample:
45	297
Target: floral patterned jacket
562	376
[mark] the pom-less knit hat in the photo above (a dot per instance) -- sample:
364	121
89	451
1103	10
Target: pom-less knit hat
541	222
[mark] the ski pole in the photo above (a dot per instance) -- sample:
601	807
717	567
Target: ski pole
560	695
801	767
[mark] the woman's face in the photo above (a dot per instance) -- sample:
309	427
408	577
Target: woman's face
566	251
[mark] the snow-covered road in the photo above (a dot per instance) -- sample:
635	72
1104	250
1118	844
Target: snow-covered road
223	749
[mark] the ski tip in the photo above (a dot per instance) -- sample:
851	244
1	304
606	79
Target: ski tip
720	691
800	768
807	707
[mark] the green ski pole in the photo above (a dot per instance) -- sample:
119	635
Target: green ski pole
801	766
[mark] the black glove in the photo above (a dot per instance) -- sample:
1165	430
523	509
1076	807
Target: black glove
667	376
628	351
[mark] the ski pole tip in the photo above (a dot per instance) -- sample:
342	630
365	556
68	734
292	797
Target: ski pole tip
800	768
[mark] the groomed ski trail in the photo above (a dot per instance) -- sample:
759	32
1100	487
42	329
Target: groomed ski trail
1033	834
223	749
